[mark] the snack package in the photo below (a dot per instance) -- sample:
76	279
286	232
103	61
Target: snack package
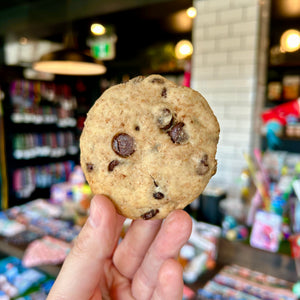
266	231
15	279
45	251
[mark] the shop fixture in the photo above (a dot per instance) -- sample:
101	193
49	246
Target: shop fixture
290	41
98	29
191	12
183	49
69	61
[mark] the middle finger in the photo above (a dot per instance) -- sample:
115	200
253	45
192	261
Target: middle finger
132	249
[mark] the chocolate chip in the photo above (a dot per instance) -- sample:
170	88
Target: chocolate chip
112	165
164	92
165	119
158	195
157	80
203	166
89	167
123	144
150	214
177	134
137	128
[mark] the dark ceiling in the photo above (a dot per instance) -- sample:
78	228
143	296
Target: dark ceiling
47	18
137	23
44	18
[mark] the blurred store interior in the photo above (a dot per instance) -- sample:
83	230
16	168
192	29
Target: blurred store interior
243	56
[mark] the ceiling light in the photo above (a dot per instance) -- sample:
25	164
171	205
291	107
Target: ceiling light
290	41
191	12
183	49
98	29
69	62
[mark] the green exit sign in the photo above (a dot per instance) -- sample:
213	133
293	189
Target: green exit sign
103	49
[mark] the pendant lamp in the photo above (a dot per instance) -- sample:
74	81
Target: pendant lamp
69	61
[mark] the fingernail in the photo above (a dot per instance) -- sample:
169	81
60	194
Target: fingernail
94	218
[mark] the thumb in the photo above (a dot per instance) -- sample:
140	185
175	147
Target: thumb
83	268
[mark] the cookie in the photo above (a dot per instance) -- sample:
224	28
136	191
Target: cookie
149	145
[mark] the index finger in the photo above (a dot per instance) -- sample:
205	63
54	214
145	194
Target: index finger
82	270
174	233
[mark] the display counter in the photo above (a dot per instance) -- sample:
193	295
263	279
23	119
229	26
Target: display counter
273	264
48	227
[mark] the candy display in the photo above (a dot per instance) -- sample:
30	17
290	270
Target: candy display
232	230
33	103
42	217
74	196
19	282
32	145
273	213
200	253
23	238
41	137
45	251
276	118
45	229
26	180
236	282
266	231
9	227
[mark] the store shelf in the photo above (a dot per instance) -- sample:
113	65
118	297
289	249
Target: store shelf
42	136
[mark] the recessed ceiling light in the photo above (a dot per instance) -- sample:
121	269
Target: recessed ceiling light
290	41
98	29
191	12
183	49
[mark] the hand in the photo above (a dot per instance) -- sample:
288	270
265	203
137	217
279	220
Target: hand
143	266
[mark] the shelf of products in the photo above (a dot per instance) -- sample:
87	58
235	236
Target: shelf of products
41	137
281	116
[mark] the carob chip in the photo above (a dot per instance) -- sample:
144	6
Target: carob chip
203	167
157	80
89	167
158	195
112	165
165	119
164	92
123	144
177	133
150	214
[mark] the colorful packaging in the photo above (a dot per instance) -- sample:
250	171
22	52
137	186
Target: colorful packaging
15	279
45	251
236	282
266	231
200	253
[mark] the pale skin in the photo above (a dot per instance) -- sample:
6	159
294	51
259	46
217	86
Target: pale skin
143	266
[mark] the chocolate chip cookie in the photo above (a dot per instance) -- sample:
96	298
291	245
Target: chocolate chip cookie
150	146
